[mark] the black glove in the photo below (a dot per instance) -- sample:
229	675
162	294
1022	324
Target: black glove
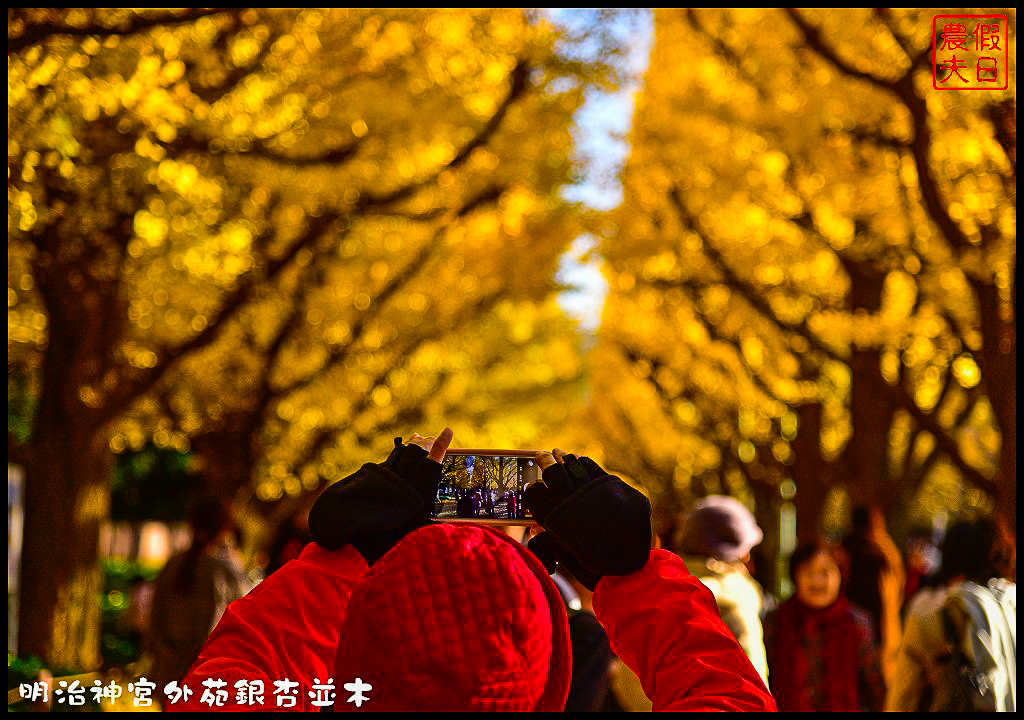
378	505
596	524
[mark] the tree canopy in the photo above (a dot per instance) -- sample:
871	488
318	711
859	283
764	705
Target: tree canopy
276	238
812	270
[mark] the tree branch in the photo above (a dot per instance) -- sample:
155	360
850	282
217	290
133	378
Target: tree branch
722	49
749	293
1003	116
666	398
920	149
945	442
212	93
813	38
312	277
519	84
487	195
878	138
325	435
886	18
713	332
39	32
191	143
905	90
396	283
144	380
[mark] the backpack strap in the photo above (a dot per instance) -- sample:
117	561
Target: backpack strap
986	641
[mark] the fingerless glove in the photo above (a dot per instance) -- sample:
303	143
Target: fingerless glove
595	524
377	505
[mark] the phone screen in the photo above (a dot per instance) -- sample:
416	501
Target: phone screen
485	486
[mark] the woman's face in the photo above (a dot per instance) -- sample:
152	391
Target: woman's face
817	581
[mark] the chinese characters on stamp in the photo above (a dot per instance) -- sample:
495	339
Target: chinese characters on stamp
970	52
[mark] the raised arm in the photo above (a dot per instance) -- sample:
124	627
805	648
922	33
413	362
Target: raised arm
286	629
661	620
664	624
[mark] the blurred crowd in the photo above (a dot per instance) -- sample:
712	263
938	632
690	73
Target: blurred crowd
869	626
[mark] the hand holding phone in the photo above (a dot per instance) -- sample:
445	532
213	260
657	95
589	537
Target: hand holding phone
594	524
379	504
435	447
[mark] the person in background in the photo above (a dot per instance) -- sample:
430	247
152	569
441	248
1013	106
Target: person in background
591	653
715	539
821	649
291	537
863	565
874	579
193	590
921	560
971	573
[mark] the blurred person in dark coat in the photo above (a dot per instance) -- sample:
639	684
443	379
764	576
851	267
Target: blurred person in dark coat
821	649
193	590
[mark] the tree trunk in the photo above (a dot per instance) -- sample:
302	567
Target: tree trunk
68	466
767	553
872	406
811	474
67	496
227	459
999	371
865	460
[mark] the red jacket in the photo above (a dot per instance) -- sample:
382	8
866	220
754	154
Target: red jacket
663	623
440	600
286	628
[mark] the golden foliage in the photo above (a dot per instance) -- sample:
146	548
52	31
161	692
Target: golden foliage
775	230
328	226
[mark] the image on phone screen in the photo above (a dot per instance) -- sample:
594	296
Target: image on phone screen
484	486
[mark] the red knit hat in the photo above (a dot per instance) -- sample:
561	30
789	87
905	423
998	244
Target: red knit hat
456	617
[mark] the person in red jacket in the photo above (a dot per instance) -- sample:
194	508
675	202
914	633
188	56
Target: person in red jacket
389	611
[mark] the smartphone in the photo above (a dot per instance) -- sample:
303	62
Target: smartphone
485	486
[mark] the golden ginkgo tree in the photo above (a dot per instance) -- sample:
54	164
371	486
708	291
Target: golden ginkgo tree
276	238
812	271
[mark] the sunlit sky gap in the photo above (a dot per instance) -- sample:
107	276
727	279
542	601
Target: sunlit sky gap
602	135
